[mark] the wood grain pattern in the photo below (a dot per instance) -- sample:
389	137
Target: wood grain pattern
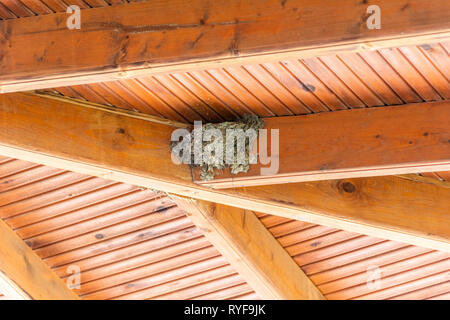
24	268
278	88
147	37
123	241
341	267
353	143
250	248
133	150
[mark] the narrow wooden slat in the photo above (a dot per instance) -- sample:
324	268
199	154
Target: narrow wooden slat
92	266
392	78
440	289
119	242
30	176
88	215
374	81
169	281
386	271
379	258
162	254
411	281
192	292
108	233
137	210
165	265
225	294
351	257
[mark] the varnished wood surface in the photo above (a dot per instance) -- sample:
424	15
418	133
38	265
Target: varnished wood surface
251	250
161	36
27	271
352	143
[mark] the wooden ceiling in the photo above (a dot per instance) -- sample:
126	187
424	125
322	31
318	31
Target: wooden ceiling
132	243
338	262
129	243
12	9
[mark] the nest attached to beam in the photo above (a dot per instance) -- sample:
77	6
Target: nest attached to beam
214	162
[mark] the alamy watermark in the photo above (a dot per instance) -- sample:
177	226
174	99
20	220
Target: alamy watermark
374	20
373	278
73	281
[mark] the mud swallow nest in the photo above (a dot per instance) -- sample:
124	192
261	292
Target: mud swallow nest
213	162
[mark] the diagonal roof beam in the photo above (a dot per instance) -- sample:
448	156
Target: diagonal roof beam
251	249
134	149
148	37
26	271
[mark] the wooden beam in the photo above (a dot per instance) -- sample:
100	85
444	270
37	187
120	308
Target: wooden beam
416	177
148	37
11	290
353	143
27	272
135	149
251	249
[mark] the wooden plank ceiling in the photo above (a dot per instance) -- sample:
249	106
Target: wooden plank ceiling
339	262
136	244
353	80
12	9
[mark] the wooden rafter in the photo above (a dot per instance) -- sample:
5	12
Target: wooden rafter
353	143
159	36
27	272
251	249
419	178
135	149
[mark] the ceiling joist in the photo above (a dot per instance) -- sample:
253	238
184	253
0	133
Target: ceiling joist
251	249
148	37
135	149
